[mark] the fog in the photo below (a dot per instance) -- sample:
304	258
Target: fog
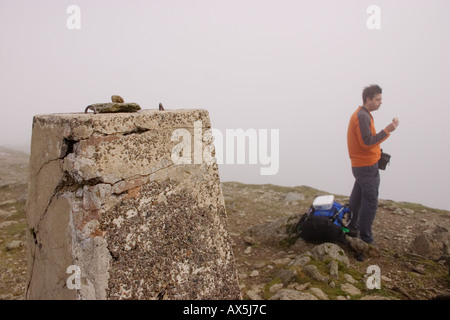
298	67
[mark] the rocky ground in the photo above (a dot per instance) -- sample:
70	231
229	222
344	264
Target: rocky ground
272	262
13	185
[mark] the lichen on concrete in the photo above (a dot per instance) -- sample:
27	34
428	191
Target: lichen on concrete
176	240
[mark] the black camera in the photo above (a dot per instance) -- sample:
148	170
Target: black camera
384	160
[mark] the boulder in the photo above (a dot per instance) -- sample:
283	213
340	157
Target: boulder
431	243
327	252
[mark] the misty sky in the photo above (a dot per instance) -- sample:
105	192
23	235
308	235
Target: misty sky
296	66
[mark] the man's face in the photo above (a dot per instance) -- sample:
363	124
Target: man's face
374	103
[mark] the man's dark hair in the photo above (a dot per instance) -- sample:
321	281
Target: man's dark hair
370	92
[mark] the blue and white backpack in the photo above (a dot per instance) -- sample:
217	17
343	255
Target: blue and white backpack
326	221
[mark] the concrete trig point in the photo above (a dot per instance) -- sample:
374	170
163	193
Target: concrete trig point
105	199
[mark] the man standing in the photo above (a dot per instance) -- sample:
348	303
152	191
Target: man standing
364	151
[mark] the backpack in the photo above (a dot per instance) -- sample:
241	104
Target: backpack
326	221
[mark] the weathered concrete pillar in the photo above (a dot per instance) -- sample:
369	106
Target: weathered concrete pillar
111	216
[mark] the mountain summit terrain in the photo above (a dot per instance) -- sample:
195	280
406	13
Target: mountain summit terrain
411	259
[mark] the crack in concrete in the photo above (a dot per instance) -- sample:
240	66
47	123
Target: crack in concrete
137	130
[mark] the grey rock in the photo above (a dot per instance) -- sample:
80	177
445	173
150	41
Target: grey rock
319	293
259	264
288	294
300	261
334	269
430	243
276	287
362	247
254	273
350	289
253	295
420	268
14	245
298	286
249	240
349	278
287	275
328	252
242	276
282	261
293	197
312	272
358	245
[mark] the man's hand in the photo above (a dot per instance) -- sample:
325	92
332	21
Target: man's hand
393	125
